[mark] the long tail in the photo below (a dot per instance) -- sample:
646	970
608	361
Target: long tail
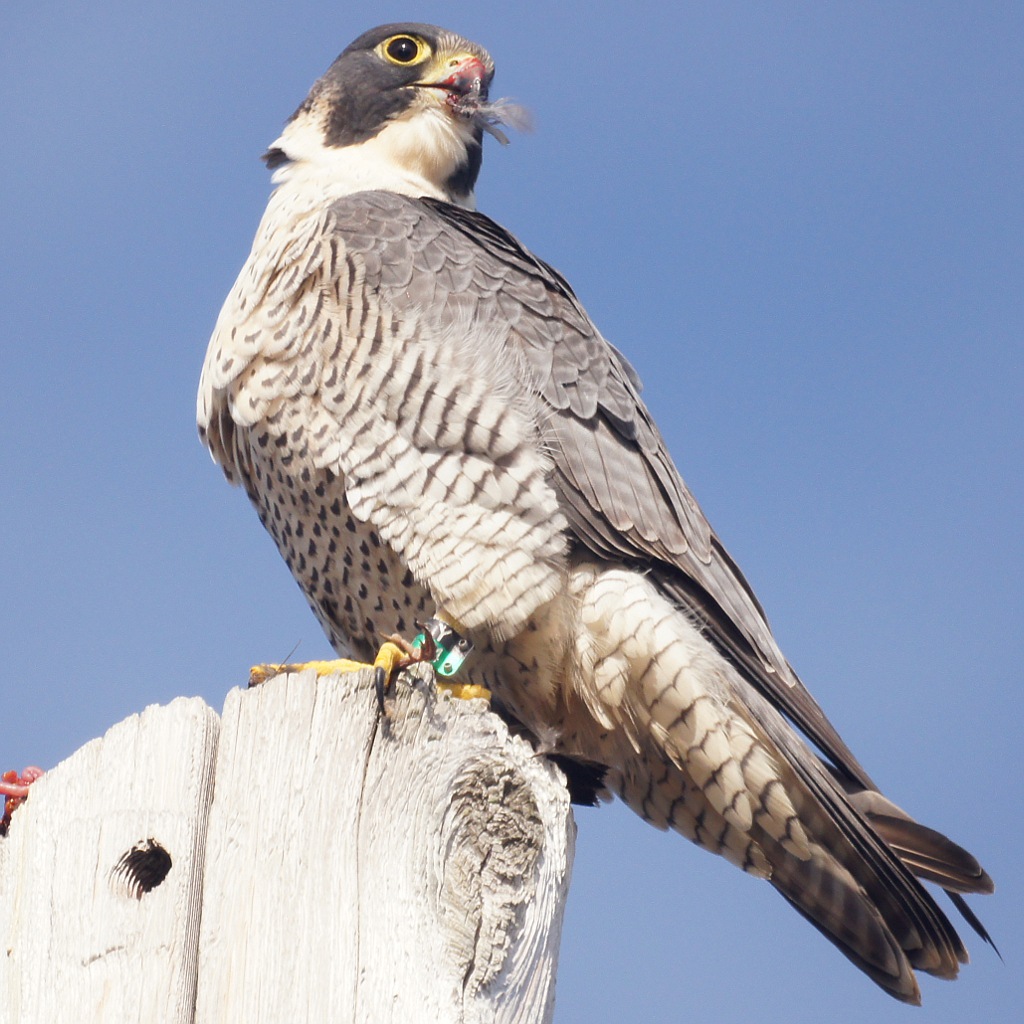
859	886
929	854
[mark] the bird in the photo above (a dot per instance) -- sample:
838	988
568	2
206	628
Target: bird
438	438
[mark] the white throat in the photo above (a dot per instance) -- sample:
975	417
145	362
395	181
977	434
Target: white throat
414	155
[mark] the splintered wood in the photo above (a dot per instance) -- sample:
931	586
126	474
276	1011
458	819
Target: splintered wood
319	863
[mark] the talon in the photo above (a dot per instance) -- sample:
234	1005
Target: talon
380	685
427	647
397	653
394	654
447	648
259	674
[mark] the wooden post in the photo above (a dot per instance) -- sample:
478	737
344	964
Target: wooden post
82	939
346	869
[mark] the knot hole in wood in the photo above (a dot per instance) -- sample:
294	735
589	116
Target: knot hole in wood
141	869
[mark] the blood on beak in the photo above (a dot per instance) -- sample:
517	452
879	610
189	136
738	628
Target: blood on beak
468	77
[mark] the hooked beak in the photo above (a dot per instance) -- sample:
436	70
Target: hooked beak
465	80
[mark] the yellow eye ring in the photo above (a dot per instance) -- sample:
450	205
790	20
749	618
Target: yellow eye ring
404	50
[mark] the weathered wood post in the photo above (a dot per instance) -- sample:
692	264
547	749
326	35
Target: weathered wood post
297	860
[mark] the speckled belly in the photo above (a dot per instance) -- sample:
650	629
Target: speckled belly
359	588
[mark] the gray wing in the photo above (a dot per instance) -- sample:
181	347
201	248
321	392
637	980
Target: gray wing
623	497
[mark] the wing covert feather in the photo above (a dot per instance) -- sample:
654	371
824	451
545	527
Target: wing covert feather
618	487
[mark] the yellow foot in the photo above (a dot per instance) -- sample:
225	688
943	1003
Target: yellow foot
390	658
465	691
261	673
394	654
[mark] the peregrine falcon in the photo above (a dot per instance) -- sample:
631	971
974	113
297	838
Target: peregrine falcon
431	428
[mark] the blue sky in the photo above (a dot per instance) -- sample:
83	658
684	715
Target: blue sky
803	223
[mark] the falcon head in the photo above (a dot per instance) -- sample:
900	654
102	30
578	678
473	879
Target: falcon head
404	109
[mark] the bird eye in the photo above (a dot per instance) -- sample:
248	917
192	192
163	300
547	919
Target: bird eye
403	49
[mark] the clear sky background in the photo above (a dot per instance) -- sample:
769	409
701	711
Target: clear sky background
803	224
